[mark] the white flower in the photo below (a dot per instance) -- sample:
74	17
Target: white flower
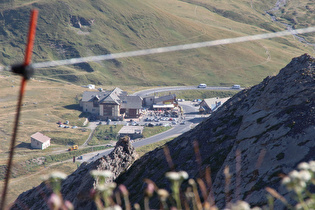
58	175
116	207
294	174
286	180
177	176
240	205
312	165
303	166
183	174
305	175
105	174
163	194
173	176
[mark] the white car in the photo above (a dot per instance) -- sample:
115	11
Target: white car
236	87
202	86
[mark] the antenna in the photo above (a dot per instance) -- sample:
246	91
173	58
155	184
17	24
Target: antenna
26	71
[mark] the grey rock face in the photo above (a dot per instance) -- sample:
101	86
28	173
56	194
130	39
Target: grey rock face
76	187
259	134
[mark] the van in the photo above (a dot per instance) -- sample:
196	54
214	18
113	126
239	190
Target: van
202	86
236	87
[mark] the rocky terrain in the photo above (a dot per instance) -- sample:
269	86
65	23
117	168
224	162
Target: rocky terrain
259	134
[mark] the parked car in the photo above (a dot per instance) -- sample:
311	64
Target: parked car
150	125
134	124
236	87
202	86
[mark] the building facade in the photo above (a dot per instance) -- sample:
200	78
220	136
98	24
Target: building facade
40	141
114	105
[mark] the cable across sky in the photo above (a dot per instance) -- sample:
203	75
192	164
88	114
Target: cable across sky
170	48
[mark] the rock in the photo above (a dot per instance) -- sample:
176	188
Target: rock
259	134
78	22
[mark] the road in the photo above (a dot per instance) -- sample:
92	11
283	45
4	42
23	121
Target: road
143	93
192	118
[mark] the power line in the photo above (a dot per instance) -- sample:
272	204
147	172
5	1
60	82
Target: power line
171	48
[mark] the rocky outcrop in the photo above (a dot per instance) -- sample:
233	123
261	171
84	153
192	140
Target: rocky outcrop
77	186
259	134
78	22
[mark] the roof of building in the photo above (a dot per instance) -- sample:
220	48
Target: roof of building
214	102
90	95
115	96
111	98
40	137
131	130
165	98
131	102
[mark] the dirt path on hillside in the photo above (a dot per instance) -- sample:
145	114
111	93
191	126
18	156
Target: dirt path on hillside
38	172
92	126
278	6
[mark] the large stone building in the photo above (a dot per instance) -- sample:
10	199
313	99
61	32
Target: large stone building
114	105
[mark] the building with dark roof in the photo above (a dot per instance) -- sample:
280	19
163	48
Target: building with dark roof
114	105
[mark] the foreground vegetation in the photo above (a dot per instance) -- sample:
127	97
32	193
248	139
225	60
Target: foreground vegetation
107	195
61	162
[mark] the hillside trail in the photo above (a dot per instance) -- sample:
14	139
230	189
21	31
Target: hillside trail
278	6
38	172
92	126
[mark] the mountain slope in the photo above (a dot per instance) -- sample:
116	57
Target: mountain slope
68	29
260	133
265	131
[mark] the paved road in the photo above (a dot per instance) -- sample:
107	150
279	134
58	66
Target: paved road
192	118
143	93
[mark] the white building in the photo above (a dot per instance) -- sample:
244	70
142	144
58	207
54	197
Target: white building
40	141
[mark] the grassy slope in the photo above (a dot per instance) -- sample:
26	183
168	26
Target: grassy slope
124	26
299	14
45	103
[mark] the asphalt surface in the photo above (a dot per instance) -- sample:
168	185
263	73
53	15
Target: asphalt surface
192	118
143	93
